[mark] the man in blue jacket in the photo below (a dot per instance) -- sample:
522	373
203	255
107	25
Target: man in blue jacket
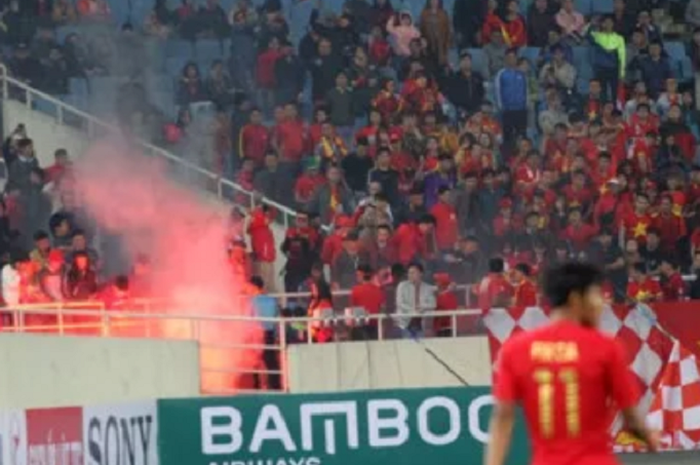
511	98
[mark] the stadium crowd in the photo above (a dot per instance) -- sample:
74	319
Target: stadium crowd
431	168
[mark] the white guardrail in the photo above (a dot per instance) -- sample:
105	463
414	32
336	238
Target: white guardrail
17	90
94	319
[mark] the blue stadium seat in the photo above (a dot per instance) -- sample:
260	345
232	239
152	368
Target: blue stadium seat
208	50
530	54
479	61
584	7
686	69
675	50
78	87
63	31
179	48
602	6
174	65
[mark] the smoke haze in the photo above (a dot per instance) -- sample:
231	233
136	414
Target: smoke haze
131	196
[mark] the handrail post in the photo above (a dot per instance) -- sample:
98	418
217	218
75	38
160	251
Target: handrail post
380	326
282	336
453	319
61	329
5	84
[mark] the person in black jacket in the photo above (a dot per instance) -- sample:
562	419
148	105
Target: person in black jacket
467	19
465	88
289	76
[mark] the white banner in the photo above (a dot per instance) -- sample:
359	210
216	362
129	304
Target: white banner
121	434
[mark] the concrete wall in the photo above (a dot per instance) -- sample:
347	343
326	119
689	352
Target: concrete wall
43	370
388	364
48	134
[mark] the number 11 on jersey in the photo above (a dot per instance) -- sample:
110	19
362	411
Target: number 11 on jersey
548	382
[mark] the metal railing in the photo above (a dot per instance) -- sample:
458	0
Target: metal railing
65	114
217	352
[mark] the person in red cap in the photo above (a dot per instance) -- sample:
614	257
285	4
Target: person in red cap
446	300
525	289
494	290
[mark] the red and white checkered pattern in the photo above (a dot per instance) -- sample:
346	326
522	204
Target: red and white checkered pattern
647	344
675	410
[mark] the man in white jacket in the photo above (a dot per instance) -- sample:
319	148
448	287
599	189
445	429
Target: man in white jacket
414	297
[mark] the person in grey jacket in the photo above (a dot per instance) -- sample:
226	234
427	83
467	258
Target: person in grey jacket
332	198
414	296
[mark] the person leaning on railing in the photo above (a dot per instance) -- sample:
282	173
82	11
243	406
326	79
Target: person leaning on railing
414	296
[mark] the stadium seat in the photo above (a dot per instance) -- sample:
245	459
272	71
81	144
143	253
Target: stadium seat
479	61
585	7
179	48
208	50
530	54
78	87
602	6
174	65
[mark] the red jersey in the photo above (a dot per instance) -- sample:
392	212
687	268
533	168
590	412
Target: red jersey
671	228
580	197
564	376
636	226
579	237
446	227
265	69
306	185
525	294
646	291
445	300
291	140
673	288
253	142
367	295
494	290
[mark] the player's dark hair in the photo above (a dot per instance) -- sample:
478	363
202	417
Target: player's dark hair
524	268
496	265
563	280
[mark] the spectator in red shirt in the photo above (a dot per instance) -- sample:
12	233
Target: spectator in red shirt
671	226
635	224
265	70
254	139
263	244
446	225
525	289
416	240
642	288
578	233
672	284
446	301
494	290
368	295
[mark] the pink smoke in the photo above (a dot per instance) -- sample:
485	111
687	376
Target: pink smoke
185	237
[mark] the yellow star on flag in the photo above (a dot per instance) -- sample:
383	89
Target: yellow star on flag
642	296
640	230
